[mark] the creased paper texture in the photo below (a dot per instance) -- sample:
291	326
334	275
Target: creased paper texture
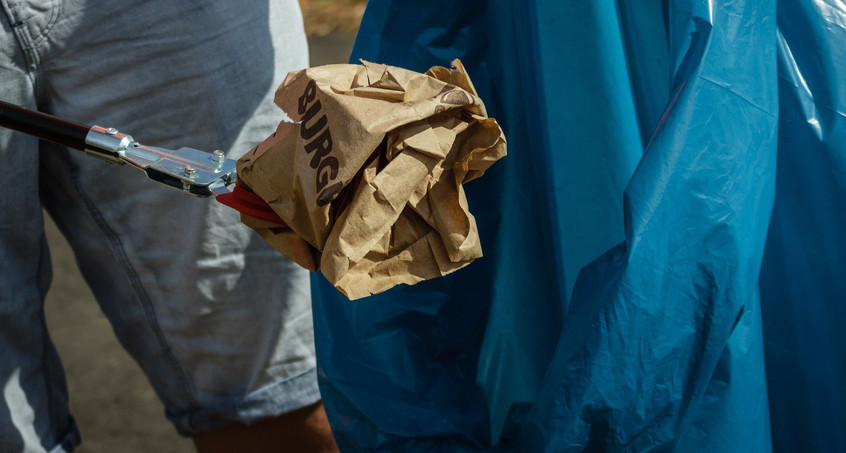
368	176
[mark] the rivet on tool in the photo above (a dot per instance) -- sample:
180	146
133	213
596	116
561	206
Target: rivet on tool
218	157
112	131
190	171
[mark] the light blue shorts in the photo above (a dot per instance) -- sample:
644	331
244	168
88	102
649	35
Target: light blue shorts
219	322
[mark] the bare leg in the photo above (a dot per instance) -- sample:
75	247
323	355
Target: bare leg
304	430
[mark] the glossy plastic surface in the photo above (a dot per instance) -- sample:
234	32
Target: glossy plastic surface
676	174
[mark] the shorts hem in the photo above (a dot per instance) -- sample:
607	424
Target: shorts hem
71	440
267	402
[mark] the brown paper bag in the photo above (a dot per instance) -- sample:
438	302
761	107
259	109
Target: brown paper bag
369	174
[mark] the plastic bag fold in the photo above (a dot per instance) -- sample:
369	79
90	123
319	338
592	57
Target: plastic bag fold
664	253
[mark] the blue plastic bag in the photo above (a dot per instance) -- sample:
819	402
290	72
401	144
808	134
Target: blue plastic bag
655	149
803	289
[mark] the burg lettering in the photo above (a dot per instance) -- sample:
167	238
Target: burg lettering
318	143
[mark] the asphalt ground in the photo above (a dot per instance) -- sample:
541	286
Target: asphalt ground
113	404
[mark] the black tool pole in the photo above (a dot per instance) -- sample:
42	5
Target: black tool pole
42	125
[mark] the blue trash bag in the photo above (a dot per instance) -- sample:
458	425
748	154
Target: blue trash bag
673	165
803	288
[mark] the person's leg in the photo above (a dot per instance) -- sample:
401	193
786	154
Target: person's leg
34	414
304	430
219	322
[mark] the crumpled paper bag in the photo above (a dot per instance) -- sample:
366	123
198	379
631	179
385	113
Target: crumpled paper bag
368	176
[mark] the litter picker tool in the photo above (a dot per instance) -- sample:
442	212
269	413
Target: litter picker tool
363	181
188	170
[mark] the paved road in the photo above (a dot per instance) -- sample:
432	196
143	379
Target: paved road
113	404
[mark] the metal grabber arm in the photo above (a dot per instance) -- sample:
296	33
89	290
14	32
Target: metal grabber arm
188	170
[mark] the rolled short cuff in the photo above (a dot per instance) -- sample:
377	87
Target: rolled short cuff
267	402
